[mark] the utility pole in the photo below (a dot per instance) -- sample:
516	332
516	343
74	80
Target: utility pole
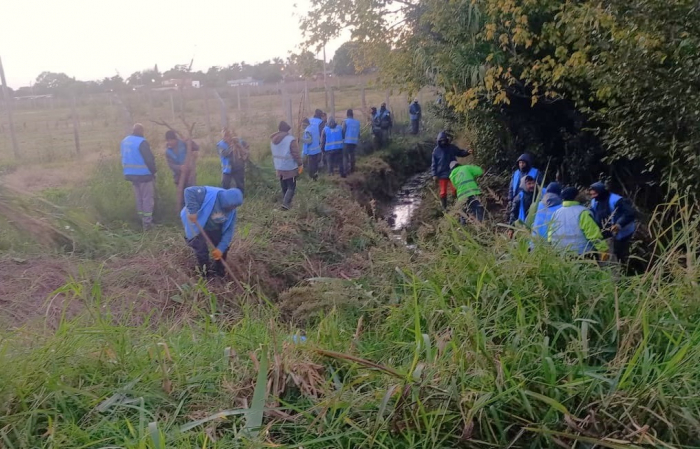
8	105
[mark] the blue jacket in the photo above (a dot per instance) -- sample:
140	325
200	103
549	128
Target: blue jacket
414	111
229	161
178	155
351	130
213	208
618	211
442	156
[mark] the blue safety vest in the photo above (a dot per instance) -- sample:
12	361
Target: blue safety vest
543	217
566	230
203	214
522	215
517	176
180	155
612	202
315	146
334	138
132	161
352	130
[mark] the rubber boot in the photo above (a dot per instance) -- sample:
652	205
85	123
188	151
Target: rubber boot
443	201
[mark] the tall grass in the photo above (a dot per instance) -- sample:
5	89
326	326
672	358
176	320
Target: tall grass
475	342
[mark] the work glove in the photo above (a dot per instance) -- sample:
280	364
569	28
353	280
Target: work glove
615	229
301	169
510	233
216	254
192	218
604	257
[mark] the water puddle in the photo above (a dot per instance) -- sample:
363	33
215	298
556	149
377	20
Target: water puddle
405	204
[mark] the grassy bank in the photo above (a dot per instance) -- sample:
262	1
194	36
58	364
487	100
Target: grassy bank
471	342
462	347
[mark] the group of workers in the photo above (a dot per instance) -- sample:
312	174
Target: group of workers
209	213
558	216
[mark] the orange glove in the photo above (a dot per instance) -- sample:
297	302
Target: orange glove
604	257
301	169
192	218
217	254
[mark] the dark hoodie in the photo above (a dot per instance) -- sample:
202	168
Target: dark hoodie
623	214
519	175
293	149
442	156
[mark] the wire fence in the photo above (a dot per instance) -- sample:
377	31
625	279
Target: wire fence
50	129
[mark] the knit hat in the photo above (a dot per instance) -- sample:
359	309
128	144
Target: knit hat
284	127
230	199
554	188
569	194
170	135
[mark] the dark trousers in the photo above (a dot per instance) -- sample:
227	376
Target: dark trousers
237	176
201	252
473	206
336	160
350	156
312	162
289	188
621	249
415	126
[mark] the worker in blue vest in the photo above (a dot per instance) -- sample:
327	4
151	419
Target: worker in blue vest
525	168
615	216
139	167
550	203
212	210
382	120
520	206
351	135
176	155
415	113
234	153
332	144
311	150
573	228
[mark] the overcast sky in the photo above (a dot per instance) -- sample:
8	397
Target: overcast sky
93	39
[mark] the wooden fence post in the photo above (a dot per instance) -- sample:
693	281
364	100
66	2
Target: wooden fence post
222	107
8	105
172	106
332	114
76	136
206	108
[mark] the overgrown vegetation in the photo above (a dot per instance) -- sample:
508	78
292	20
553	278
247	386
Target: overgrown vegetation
467	348
594	88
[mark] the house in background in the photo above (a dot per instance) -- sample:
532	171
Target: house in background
243	82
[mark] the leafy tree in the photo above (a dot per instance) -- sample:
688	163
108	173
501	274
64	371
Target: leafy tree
343	62
587	86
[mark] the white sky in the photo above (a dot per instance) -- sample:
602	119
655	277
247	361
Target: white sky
92	39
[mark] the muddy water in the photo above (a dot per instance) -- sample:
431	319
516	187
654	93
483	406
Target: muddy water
406	202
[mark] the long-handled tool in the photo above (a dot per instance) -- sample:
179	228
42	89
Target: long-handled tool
223	261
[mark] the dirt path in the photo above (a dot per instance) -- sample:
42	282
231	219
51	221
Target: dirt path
27	178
